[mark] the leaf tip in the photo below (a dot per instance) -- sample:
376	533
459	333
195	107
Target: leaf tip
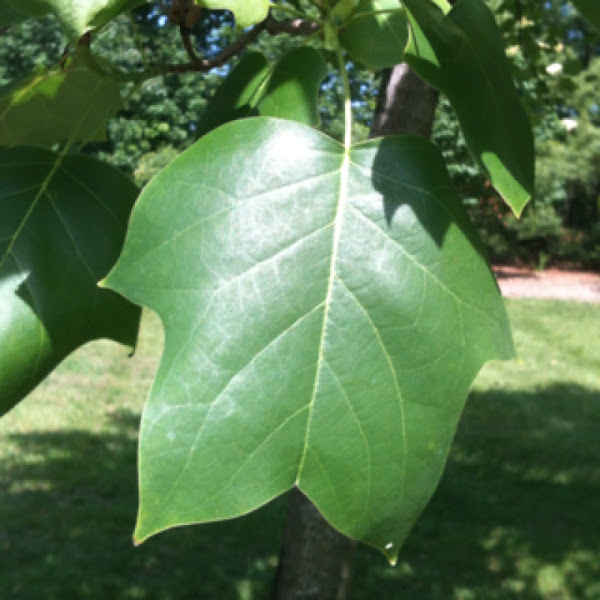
390	551
138	536
518	210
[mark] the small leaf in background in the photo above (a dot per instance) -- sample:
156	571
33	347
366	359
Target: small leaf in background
325	313
291	91
246	12
234	97
76	16
55	106
590	10
288	89
376	40
461	53
62	225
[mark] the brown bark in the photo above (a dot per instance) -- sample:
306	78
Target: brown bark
406	104
316	561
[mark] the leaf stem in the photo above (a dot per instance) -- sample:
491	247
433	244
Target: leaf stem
347	98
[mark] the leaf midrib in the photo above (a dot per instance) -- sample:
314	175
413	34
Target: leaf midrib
339	211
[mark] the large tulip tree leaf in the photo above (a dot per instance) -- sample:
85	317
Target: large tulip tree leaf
461	53
590	10
48	107
377	34
76	16
325	313
287	89
62	225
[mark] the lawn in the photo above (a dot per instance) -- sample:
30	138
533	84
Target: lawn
516	516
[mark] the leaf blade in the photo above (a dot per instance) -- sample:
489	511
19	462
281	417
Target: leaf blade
376	40
49	107
59	237
315	325
246	12
461	53
291	92
590	10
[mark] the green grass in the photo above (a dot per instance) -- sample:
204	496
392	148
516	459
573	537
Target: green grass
516	516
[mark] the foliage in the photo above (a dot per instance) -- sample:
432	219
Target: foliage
551	53
74	210
326	305
60	94
31	45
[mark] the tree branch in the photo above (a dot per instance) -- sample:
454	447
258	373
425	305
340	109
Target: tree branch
270	25
202	65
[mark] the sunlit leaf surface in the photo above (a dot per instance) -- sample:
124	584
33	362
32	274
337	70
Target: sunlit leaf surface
325	313
246	12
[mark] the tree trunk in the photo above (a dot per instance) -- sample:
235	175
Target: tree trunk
315	562
406	104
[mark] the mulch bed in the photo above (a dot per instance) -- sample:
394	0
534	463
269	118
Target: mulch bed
517	282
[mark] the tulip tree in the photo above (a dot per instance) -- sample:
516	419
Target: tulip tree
326	305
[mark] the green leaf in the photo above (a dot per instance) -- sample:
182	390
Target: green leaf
62	225
461	54
234	97
288	89
11	16
292	89
590	10
76	16
376	40
246	12
325	313
54	106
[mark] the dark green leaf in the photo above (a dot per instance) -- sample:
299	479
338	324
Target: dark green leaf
590	9
376	40
325	313
288	90
10	15
62	225
50	107
461	54
292	89
236	96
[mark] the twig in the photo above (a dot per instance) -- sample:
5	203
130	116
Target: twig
270	25
197	64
